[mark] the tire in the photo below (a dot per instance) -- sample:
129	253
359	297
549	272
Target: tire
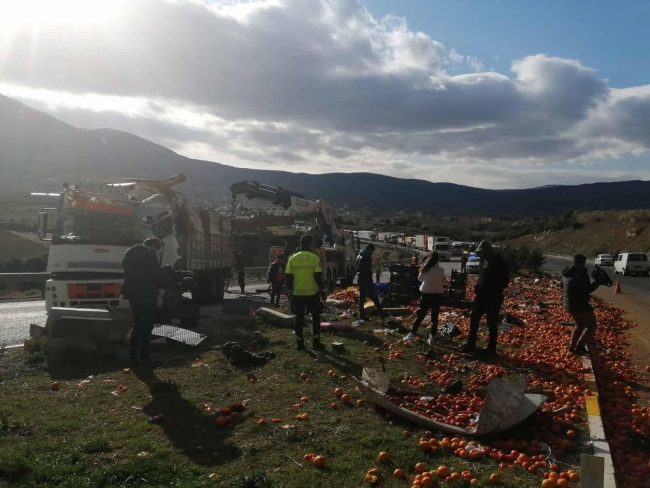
205	291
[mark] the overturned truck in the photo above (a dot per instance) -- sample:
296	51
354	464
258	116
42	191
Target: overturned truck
98	219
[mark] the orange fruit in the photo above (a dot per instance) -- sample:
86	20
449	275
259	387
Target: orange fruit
455	476
338	392
562	483
427	481
420	467
473	481
304	399
574	477
383	456
55	386
304	376
443	471
571	434
222	421
346	398
360	403
424	445
548	483
406	433
494	478
398	473
319	461
373	471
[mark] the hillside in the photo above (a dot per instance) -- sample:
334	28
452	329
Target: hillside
35	146
601	232
13	246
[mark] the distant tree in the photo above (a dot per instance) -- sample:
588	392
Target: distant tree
535	260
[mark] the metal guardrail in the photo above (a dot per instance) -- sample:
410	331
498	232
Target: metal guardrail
24	277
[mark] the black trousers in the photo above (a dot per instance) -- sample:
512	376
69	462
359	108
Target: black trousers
367	290
463	267
490	307
306	304
428	301
276	291
144	317
241	279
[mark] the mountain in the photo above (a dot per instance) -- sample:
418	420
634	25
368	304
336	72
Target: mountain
34	146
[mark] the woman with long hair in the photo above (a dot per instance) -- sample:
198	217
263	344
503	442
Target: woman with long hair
432	277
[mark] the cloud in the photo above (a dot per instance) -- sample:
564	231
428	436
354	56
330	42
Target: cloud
323	85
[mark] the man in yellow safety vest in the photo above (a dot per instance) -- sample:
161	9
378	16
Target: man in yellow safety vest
304	279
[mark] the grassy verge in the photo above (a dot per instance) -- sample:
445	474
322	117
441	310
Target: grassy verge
83	435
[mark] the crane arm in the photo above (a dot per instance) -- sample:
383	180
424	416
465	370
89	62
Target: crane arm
290	201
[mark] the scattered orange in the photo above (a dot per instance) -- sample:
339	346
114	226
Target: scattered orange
319	461
346	398
55	386
304	399
443	471
383	456
494	478
338	392
221	421
360	403
562	483
420	467
398	473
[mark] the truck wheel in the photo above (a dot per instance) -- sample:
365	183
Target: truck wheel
205	292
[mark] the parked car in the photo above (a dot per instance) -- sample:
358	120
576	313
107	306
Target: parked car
473	265
632	263
605	260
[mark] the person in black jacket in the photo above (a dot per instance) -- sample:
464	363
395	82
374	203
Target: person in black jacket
140	288
577	288
366	285
276	279
493	279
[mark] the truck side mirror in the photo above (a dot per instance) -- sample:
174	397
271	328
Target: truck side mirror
42	225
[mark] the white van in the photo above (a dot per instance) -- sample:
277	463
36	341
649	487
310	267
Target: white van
632	263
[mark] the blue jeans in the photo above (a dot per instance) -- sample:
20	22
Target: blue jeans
143	310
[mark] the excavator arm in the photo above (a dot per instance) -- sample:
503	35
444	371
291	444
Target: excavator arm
290	201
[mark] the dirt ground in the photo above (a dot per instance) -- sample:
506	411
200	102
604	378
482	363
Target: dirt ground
638	338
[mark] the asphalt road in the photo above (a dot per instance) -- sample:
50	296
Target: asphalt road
15	318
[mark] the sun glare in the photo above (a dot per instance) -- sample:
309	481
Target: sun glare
17	13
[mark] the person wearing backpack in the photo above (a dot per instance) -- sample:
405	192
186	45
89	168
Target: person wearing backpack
276	279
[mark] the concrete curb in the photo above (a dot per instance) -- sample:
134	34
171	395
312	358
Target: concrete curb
596	429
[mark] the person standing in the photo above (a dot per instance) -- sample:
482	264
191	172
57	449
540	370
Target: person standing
304	280
241	271
376	264
493	279
141	273
276	279
366	285
577	288
432	277
414	259
463	263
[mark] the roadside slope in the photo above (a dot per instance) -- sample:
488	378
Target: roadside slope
601	232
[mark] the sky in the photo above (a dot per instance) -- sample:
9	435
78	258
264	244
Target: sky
492	94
